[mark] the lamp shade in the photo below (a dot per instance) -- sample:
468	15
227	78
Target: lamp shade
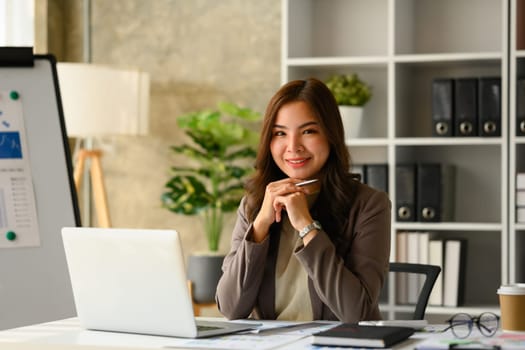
101	101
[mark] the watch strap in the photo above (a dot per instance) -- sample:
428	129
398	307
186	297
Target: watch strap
316	225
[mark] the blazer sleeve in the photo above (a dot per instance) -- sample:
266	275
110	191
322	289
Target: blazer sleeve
242	270
350	285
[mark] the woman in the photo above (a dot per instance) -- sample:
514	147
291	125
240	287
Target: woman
313	252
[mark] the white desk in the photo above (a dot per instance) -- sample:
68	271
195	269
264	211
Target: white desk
68	335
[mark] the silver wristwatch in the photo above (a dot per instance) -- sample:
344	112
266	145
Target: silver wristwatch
313	226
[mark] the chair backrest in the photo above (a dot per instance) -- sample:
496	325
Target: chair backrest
431	273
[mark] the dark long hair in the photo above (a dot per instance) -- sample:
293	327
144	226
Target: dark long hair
337	186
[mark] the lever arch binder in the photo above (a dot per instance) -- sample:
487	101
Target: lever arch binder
442	107
406	192
520	107
435	192
489	106
429	192
465	107
377	176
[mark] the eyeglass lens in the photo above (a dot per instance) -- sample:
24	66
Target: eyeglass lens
462	323
488	324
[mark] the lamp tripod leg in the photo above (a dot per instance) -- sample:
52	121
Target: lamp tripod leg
99	190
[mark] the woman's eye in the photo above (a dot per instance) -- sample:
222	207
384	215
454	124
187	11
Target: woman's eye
279	133
309	131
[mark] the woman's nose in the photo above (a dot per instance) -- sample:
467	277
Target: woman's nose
295	145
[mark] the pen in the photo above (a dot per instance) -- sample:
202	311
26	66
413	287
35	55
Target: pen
306	182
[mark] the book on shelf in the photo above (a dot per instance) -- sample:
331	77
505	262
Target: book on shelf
520	25
436	257
401	278
520	181
520	198
454	272
520	215
350	334
413	257
412	247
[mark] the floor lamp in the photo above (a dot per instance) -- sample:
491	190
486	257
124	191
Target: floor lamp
100	101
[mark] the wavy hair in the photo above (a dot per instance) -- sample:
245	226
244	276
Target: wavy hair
337	184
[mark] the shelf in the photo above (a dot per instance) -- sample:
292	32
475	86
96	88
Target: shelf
447	141
519	226
452	58
336	61
368	142
447	226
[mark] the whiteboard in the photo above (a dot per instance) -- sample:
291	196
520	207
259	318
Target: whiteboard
34	281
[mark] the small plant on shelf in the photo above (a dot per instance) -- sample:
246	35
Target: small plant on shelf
349	89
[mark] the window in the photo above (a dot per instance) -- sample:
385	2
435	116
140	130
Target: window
17	19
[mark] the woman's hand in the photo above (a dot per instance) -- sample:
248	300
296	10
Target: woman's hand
282	195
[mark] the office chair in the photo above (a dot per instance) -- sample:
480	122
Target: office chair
431	273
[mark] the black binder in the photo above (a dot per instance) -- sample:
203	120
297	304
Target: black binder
376	176
442	107
489	106
429	192
359	169
406	192
435	195
466	107
520	107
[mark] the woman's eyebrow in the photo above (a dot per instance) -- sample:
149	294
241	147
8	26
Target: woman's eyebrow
300	126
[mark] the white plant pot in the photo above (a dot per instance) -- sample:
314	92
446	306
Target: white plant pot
352	117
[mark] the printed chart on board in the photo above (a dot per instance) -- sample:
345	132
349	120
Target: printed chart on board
18	217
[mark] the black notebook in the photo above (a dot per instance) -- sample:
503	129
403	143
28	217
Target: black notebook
351	334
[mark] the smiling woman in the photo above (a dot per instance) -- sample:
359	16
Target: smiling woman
318	251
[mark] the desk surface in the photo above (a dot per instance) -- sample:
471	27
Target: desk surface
67	334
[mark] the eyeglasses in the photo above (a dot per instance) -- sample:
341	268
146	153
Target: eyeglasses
461	324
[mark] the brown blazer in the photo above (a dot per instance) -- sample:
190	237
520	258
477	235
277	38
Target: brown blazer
344	288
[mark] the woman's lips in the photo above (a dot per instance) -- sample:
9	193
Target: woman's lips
297	162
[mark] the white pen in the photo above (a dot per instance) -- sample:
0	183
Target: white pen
306	182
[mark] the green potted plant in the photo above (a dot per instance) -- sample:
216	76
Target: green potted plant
223	144
351	94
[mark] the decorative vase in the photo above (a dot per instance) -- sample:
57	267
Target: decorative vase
204	271
351	117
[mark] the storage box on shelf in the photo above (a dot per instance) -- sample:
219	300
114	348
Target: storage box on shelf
395	47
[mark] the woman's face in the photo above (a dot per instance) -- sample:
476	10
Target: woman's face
299	146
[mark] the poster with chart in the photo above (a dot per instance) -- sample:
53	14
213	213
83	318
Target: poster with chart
18	216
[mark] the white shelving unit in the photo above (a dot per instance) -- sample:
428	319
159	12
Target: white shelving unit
399	47
516	145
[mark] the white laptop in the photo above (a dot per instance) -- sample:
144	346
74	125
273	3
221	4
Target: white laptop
134	280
